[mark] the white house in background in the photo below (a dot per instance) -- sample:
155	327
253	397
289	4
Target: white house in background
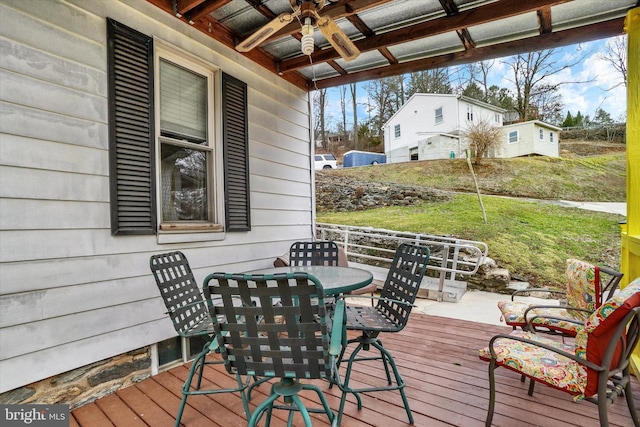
428	126
532	137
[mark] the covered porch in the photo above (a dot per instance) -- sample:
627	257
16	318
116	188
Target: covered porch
447	385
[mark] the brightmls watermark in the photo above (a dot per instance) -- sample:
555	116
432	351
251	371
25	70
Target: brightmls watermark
34	415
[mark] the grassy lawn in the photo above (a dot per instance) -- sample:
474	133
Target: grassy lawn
600	178
531	239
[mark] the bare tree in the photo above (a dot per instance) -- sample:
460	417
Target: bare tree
429	81
615	53
320	104
482	136
547	105
382	95
354	104
531	72
343	111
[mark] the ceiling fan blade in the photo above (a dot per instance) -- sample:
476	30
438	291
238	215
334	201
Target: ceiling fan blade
265	32
338	39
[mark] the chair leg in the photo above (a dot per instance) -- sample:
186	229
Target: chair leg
630	403
385	364
289	390
257	413
387	358
492	393
198	364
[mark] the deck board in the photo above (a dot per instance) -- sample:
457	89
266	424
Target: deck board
447	385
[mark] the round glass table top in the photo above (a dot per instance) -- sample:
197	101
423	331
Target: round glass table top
335	280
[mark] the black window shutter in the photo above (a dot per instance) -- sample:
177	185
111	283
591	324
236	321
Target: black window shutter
236	154
131	133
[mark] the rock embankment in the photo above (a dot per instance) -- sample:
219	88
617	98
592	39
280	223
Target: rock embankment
341	194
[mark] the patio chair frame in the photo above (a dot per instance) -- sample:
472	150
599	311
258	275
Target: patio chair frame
281	330
390	314
613	370
552	324
191	318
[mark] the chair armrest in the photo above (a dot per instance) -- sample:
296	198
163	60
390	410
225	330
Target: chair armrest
553	307
335	345
571	356
374	298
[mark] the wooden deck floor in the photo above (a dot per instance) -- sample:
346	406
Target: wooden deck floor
447	385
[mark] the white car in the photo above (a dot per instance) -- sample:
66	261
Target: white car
325	161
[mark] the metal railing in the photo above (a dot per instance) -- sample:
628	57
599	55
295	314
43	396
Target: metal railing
375	246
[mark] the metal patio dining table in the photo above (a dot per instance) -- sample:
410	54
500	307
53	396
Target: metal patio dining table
335	280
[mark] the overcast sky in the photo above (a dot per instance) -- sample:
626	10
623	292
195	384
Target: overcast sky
604	88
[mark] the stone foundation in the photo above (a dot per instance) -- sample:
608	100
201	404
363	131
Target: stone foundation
86	384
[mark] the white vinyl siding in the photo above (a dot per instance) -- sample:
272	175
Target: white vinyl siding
72	294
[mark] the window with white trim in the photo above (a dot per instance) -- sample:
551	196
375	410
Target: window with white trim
396	131
513	136
541	133
550	136
439	115
470	112
497	117
175	162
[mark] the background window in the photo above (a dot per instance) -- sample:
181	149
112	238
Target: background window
396	131
439	117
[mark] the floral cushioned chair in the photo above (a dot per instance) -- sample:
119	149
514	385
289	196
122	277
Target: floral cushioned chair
584	293
595	368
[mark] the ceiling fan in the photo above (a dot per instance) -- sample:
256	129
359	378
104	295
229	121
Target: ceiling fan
307	11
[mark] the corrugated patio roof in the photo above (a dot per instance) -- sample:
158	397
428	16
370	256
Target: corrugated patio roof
402	36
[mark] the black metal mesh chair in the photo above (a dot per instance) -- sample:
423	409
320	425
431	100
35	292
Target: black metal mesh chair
390	314
313	253
190	317
323	253
279	331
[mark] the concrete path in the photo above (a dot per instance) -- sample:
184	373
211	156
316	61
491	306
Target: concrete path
474	306
616	208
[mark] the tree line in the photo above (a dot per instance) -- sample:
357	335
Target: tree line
535	97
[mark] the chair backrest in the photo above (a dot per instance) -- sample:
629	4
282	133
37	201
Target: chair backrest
280	328
608	338
403	282
180	293
584	286
313	253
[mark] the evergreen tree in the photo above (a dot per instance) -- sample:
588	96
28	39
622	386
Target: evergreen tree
568	120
